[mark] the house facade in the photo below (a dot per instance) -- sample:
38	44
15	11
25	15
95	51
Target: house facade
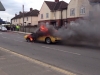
53	12
78	9
30	18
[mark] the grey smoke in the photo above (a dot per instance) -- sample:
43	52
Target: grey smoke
86	29
82	30
94	1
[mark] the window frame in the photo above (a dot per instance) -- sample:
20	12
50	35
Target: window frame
27	18
82	10
41	16
47	15
72	12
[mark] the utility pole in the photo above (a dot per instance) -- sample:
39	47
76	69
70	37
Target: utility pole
23	17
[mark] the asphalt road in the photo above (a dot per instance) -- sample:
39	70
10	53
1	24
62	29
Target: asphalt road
81	60
11	64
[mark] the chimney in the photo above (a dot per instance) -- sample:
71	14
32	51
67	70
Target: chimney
56	0
31	9
15	14
20	12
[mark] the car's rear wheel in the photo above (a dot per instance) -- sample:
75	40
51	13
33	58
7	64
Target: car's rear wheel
48	40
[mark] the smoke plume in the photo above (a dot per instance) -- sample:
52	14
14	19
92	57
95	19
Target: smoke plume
86	29
82	30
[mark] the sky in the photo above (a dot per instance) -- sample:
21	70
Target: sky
14	6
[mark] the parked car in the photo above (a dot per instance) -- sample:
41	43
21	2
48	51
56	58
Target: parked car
2	28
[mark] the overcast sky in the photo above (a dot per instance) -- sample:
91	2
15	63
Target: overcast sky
14	6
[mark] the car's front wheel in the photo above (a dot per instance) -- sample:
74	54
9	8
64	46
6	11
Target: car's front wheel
48	40
28	40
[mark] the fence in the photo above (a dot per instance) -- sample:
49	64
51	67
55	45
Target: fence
28	28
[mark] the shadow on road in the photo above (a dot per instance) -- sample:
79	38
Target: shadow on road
88	46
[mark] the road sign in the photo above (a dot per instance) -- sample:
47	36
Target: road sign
1	7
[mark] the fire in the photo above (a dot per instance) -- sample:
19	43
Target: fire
43	28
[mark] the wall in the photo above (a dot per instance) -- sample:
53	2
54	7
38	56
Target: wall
27	21
44	9
72	4
64	14
34	20
16	22
58	15
86	4
77	4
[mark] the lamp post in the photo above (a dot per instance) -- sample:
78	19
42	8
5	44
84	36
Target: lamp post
23	17
29	26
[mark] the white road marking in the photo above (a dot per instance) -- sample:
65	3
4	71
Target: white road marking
37	62
60	50
5	37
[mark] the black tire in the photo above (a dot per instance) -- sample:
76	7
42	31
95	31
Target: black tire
28	40
48	40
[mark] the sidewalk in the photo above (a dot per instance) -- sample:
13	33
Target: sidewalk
13	65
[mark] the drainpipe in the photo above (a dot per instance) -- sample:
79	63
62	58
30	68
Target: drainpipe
61	14
61	18
55	10
66	15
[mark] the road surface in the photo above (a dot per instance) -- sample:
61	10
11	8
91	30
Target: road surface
74	59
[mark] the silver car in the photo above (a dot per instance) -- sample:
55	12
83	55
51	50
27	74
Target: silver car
3	28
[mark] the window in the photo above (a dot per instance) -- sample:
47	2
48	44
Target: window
41	16
47	15
16	20
82	10
72	12
27	18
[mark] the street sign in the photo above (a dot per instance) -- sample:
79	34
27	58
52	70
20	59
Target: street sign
1	7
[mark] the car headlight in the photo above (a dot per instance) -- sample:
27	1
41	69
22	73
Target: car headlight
25	36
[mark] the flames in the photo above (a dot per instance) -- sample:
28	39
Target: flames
43	28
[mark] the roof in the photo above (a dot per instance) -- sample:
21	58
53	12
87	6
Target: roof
30	13
16	17
1	7
56	5
61	5
50	4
